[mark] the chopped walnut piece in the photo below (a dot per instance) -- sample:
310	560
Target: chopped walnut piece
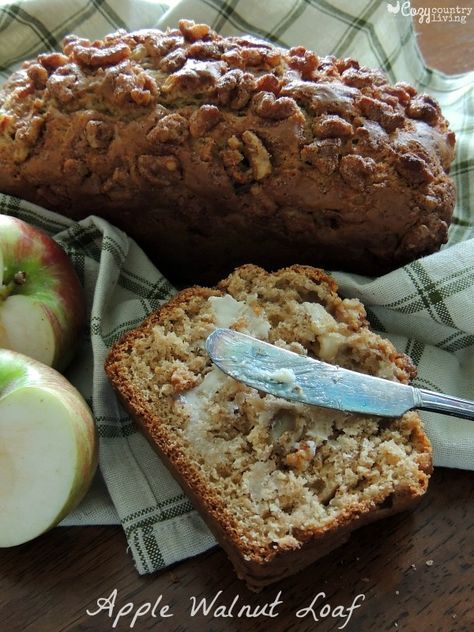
60	84
173	61
381	112
414	169
204	119
425	108
235	88
172	128
233	161
88	55
362	77
323	154
305	61
194	76
257	155
38	75
127	83
6	123
52	61
332	126
156	45
192	31
357	170
266	105
346	63
98	134
204	50
30	131
268	83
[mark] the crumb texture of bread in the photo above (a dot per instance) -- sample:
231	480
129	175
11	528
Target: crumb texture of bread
192	142
273	475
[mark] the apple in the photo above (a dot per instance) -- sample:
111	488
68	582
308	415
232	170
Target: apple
42	304
48	448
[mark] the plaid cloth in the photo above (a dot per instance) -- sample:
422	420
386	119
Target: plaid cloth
425	307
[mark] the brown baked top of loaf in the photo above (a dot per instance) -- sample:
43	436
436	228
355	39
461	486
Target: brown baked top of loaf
271	476
183	137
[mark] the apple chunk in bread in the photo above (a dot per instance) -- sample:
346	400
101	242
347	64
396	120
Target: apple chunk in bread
48	448
42	306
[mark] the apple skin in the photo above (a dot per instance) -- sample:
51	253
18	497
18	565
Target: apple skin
48	448
42	314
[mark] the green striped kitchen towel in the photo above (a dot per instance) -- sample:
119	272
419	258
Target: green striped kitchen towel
424	307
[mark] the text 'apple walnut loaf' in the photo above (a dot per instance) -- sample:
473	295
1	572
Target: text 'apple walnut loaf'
279	483
217	151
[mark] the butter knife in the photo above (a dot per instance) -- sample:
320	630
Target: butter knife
289	375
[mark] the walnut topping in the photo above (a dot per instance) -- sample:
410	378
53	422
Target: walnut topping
257	155
267	106
155	44
357	170
332	126
252	56
38	75
204	50
235	88
323	154
86	54
192	31
381	112
173	61
320	96
6	123
346	63
159	170
172	128
268	83
425	108
98	134
234	164
61	83
31	131
362	77
52	61
204	119
400	91
305	61
194	76
414	169
128	83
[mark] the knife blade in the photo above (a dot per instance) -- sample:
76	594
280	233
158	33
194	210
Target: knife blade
292	376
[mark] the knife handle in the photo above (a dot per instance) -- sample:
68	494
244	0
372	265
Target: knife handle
440	403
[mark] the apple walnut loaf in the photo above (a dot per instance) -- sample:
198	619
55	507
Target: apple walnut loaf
280	483
215	151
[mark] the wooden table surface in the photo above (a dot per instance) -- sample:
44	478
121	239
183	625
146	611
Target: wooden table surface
415	571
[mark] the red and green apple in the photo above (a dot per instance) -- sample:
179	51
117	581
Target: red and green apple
42	305
48	448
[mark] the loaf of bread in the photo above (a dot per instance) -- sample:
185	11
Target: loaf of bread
217	151
279	483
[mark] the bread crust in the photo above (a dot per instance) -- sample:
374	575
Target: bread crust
225	150
258	566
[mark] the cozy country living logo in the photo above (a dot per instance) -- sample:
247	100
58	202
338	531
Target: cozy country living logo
430	15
